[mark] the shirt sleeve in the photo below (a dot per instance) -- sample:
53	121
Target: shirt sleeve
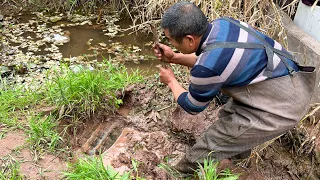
204	86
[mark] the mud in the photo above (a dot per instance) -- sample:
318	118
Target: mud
194	125
11	141
48	167
13	150
95	136
147	148
279	162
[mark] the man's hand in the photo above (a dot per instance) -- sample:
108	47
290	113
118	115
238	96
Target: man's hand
163	52
166	75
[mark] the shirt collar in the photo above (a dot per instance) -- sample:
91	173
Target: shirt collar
204	37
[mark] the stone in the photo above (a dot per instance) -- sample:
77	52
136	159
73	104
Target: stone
305	48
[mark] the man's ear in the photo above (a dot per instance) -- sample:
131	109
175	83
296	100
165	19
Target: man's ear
190	40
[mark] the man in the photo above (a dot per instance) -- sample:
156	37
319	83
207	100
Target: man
270	93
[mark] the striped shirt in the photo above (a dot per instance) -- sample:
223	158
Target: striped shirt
227	67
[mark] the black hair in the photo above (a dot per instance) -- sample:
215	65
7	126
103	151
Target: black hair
184	18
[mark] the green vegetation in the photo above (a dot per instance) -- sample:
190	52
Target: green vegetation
135	165
208	171
10	169
42	133
83	92
93	168
14	102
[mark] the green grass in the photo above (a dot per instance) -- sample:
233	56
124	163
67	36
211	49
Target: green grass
92	168
10	169
14	102
84	92
208	171
42	133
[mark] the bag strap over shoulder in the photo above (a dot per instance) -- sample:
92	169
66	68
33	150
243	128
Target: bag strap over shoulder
270	51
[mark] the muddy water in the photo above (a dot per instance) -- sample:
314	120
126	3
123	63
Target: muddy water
80	35
91	40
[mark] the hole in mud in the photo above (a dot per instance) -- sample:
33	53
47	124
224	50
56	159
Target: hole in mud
95	137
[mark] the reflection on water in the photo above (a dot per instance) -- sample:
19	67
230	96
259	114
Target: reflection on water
147	67
80	35
87	39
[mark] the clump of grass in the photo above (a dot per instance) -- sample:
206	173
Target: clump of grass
84	92
14	102
93	168
42	133
10	169
208	171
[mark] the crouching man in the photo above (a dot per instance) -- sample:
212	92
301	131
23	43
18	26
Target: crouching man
269	92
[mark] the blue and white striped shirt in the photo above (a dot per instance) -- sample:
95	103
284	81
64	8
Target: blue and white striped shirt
227	67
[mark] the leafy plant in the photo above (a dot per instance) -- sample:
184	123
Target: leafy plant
93	168
42	133
85	91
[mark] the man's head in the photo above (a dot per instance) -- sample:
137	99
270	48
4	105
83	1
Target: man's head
184	24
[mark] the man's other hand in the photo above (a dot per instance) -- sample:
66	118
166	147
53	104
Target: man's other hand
163	52
166	75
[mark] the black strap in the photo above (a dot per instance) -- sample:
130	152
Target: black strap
265	45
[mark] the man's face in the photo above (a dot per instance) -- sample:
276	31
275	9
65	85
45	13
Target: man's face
184	47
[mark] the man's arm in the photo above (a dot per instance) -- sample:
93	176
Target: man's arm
185	59
176	89
198	97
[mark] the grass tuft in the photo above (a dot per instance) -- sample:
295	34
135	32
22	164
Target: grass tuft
208	171
42	133
83	92
14	102
93	168
10	169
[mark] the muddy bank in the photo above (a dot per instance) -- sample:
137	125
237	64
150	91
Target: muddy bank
279	161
